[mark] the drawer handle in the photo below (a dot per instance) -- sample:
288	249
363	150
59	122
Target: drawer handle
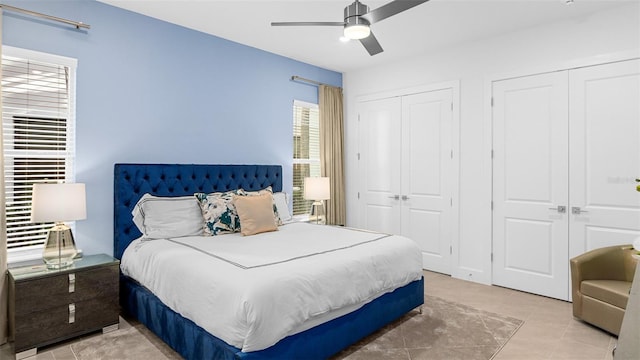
72	313
72	283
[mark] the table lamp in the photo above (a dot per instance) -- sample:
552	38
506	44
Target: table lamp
58	203
317	189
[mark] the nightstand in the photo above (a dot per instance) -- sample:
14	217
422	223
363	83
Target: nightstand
47	306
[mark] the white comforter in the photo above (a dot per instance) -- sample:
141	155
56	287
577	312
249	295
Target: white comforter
253	291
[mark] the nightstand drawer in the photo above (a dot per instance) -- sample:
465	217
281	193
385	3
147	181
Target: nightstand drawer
40	328
50	292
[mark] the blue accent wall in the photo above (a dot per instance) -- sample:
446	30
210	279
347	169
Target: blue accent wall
152	92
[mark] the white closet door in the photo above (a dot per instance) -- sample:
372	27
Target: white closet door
380	131
605	155
426	171
530	179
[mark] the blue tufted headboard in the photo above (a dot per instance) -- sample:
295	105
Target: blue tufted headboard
131	181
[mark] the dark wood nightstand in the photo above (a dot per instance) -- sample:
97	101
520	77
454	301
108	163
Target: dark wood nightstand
47	306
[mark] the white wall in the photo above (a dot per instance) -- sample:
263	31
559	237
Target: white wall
597	38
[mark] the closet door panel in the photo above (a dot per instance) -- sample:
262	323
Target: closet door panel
530	179
426	230
605	155
380	132
426	169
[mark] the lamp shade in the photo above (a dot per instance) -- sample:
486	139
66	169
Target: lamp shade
316	188
58	202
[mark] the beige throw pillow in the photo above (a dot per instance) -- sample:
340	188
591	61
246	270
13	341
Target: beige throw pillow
255	213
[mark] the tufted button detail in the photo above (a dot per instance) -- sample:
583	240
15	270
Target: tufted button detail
132	181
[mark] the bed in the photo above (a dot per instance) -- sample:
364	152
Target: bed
132	181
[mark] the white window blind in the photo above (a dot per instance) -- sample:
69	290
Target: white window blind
306	152
38	133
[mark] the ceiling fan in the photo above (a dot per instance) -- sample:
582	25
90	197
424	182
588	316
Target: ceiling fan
358	18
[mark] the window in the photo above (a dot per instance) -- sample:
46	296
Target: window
39	139
306	152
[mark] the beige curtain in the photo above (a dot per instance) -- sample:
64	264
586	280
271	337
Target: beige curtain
4	283
332	150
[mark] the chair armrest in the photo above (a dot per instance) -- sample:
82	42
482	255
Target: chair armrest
606	263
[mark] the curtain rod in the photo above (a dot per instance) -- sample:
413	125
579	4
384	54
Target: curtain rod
298	78
77	24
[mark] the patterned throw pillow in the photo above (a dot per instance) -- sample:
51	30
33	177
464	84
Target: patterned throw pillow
220	215
267	190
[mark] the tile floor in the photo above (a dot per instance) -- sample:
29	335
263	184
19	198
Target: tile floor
549	330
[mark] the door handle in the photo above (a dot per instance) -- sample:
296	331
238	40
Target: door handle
577	211
405	197
561	209
395	197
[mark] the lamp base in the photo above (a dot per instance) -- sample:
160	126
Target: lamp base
318	213
60	248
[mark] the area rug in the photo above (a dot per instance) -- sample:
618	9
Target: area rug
131	342
444	330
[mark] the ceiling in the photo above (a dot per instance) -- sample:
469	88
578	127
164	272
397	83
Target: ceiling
428	27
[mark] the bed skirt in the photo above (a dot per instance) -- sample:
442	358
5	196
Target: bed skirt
320	342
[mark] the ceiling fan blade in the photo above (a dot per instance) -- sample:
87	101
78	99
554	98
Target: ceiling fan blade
390	9
307	23
371	44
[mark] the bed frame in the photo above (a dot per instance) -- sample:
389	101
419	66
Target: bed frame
131	181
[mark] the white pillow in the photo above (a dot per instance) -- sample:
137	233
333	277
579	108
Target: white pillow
281	200
168	217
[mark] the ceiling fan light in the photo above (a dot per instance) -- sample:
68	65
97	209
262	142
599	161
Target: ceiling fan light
357	31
